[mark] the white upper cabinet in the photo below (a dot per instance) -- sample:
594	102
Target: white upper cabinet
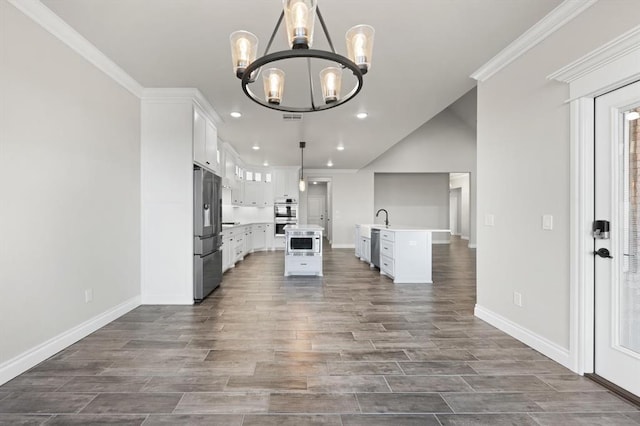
211	147
285	182
205	141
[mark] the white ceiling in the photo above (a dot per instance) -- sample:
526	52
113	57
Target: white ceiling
424	52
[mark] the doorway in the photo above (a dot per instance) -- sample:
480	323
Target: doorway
617	255
317	209
455	211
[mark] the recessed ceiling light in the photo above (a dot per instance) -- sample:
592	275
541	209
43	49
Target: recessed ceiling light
265	164
256	147
236	114
362	115
315	183
340	147
633	115
330	163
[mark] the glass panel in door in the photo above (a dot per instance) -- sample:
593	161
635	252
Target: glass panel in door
629	290
617	261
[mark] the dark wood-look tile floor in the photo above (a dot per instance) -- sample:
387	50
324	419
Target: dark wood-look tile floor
350	348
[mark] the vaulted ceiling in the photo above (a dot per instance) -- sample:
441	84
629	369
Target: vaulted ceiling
424	52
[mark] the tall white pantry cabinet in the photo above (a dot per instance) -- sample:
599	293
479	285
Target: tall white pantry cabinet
178	128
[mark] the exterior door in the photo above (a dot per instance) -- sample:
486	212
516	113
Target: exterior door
617	200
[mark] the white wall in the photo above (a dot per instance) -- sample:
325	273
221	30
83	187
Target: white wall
418	200
462	182
523	173
69	192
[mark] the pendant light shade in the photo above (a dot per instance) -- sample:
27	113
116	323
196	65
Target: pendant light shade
331	82
273	85
299	17
244	48
360	46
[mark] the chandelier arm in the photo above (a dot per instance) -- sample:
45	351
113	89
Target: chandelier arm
273	34
324	28
313	105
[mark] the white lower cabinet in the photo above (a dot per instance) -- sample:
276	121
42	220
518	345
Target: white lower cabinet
269	230
405	255
365	249
358	242
248	240
239	241
259	237
228	249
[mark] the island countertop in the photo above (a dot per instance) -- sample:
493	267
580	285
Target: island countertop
303	228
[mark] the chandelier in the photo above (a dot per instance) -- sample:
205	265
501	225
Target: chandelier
299	17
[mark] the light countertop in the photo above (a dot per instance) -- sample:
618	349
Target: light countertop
303	228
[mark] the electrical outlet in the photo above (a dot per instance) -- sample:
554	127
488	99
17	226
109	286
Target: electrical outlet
517	299
88	295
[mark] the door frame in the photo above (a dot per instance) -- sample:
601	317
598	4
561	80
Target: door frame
607	68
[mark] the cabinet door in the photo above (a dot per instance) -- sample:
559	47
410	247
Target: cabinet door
292	183
211	146
252	194
199	137
237	194
269	230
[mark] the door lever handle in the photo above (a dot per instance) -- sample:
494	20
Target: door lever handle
603	252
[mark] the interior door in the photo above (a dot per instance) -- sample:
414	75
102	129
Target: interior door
316	210
617	199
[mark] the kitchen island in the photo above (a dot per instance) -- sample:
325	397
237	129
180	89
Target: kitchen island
303	251
405	252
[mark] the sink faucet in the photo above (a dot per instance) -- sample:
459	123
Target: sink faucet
386	216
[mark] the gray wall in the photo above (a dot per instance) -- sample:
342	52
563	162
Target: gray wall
69	188
418	200
523	173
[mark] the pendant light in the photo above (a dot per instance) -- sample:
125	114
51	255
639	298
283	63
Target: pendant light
302	184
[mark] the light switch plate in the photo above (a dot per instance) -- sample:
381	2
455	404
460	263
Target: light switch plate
547	222
488	220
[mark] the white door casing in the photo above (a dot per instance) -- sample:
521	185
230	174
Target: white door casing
606	68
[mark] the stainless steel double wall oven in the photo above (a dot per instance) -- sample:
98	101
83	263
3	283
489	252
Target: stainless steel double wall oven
285	213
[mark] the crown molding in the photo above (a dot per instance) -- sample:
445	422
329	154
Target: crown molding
615	63
558	17
182	93
51	22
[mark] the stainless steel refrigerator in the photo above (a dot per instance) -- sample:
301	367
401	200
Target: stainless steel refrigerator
207	229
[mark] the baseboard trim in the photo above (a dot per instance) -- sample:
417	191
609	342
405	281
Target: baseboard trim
28	359
537	342
472	246
441	242
464	237
343	246
167	299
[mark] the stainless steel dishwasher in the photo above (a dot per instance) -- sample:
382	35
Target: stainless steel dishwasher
375	246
